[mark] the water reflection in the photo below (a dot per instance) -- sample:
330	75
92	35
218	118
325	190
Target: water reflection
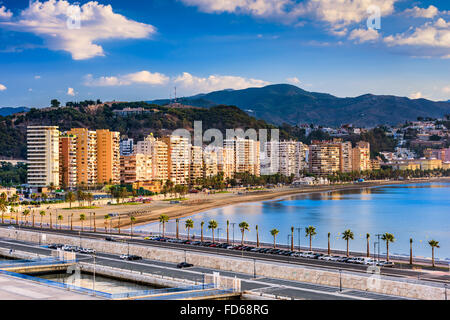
420	211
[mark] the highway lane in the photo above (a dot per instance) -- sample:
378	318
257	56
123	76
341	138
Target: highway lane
395	272
291	289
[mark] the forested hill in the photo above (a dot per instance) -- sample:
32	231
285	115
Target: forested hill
159	120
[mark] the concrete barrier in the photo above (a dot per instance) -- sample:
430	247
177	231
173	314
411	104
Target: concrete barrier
366	282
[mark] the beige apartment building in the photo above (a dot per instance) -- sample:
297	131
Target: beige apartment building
246	155
68	161
196	164
135	168
361	156
108	157
43	156
86	155
324	158
346	157
159	152
179	158
211	162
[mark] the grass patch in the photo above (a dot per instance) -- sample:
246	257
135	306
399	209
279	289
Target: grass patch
176	199
82	208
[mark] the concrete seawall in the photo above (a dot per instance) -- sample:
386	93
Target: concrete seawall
372	283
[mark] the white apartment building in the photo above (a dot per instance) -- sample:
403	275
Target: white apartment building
179	159
43	156
126	147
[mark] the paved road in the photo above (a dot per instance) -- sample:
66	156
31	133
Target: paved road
395	272
290	289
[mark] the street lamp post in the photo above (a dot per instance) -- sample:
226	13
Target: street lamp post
93	283
298	229
233	231
340	280
254	270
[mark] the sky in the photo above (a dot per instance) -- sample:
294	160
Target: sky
141	50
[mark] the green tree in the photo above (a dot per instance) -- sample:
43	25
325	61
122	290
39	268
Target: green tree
274	233
163	219
348	235
55	103
70	197
310	232
42	214
82	219
213	226
189	224
244	227
3	208
25	213
388	237
433	244
60	219
132	221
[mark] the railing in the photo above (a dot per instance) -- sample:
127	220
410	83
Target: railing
159	291
195	294
31	263
57	284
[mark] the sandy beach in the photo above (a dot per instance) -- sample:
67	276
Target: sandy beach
196	203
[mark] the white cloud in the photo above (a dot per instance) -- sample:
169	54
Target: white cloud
2	87
142	77
364	35
417	12
70	92
49	20
5	13
37	77
217	82
429	36
416	95
338	14
293	80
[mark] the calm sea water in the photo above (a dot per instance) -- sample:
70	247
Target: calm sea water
418	211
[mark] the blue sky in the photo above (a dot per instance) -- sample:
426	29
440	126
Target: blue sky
140	50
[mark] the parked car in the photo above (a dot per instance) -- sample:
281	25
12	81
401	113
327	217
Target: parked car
111	239
342	259
325	257
307	254
184	265
130	257
389	264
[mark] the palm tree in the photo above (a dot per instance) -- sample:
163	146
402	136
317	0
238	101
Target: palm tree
329	247
292	238
310	231
189	224
60	219
3	208
132	221
388	237
42	214
51	224
25	213
107	217
70	197
368	244
347	235
244	226
212	225
433	244
228	231
163	219
71	222
410	251
201	225
274	233
257	236
178	222
32	218
82	218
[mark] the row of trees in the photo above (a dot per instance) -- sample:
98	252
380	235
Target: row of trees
310	232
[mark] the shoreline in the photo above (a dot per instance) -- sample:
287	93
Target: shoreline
185	210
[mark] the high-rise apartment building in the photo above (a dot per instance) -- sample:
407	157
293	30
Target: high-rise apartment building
361	156
135	168
43	156
108	157
246	155
68	161
126	147
285	157
346	157
210	159
159	151
86	155
196	163
324	158
179	158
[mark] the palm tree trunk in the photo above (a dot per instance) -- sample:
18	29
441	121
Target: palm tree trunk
432	257
329	248
118	226
242	242
387	250
410	254
368	249
257	238
274	242
228	234
347	249
188	232
213	234
292	241
177	229
95	227
202	235
310	243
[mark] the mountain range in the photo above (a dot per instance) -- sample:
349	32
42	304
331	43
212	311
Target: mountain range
283	103
4	112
